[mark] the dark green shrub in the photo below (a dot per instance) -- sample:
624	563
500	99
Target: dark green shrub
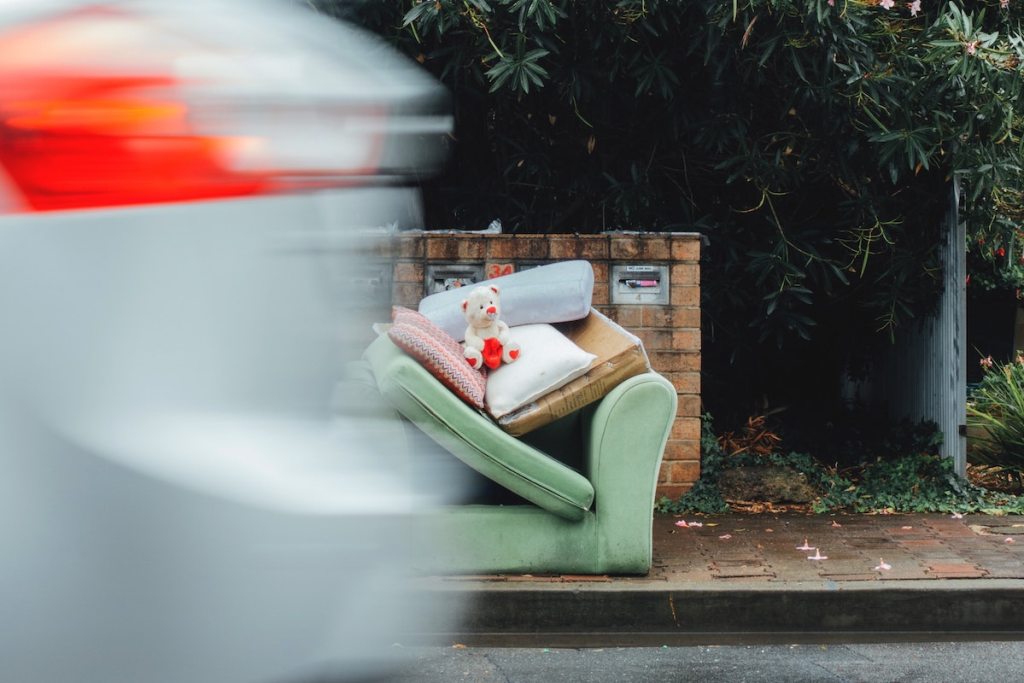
996	406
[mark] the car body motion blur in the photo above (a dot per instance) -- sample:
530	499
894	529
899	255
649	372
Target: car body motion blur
185	195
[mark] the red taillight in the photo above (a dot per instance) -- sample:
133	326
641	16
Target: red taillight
97	142
85	124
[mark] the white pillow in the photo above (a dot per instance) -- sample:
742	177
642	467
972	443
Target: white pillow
554	293
547	360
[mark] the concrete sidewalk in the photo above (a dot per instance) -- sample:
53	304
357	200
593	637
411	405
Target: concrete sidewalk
742	578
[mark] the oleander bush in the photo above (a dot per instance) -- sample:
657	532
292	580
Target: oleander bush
813	141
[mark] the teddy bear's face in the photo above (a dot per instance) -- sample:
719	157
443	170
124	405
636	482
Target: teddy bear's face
482	307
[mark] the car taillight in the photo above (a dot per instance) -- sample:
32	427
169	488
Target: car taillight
104	108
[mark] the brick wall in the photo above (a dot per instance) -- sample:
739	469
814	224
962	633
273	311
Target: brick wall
670	332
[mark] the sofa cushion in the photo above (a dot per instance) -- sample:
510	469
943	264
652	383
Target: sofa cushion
547	360
474	438
526	297
439	354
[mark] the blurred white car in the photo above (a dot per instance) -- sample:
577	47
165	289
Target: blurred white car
185	194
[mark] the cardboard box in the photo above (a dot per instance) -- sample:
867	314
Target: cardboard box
620	355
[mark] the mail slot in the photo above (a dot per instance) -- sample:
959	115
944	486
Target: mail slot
639	283
444	276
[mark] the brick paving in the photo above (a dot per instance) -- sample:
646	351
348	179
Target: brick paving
747	578
763	548
858	547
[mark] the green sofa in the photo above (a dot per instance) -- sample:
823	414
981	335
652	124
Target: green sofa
585	483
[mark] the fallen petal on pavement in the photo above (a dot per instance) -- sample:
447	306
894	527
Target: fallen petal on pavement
817	555
805	546
883	566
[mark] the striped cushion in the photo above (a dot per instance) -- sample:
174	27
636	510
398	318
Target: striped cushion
439	354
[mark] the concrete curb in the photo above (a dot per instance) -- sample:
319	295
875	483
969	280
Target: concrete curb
609	615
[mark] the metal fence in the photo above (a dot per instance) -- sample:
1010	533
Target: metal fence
924	376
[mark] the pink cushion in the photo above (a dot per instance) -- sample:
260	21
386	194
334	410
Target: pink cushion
438	353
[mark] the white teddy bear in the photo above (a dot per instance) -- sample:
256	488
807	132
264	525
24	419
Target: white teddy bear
487	338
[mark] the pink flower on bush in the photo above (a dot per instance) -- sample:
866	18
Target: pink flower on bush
887	4
914	7
1004	4
972	47
987	362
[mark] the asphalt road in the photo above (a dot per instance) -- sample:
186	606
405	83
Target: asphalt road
983	662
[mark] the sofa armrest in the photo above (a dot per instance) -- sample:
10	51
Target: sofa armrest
625	441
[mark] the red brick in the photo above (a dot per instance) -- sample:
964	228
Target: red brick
686	295
655	339
686	248
410	246
671	316
671	491
441	247
689	406
656	316
499	248
686	428
685	274
651	247
624	247
600	293
564	248
687	382
686	340
679	471
600	272
586	247
674	361
627	316
677	449
471	247
529	247
407	294
408	272
655	248
687	316
594	247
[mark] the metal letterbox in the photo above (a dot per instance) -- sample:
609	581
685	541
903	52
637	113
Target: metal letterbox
639	283
444	276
